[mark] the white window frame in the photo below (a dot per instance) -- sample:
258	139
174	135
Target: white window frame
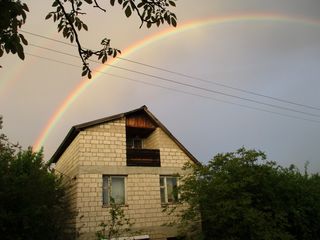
165	187
109	189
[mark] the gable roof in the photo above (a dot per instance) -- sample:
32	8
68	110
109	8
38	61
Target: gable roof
73	132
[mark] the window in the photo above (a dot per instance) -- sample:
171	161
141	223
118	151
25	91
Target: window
113	188
168	189
134	142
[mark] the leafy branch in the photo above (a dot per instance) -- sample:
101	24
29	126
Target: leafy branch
150	12
118	224
13	15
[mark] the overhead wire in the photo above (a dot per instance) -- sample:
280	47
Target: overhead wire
177	90
187	84
221	84
191	77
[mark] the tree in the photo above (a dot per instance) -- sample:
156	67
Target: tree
32	199
118	225
67	14
242	195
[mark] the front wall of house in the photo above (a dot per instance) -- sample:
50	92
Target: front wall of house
102	151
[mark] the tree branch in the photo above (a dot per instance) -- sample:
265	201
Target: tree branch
96	5
74	31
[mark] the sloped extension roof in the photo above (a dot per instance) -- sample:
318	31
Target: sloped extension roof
80	127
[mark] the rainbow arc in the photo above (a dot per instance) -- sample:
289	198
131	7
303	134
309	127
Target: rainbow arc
188	26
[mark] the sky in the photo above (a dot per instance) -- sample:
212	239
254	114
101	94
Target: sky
268	48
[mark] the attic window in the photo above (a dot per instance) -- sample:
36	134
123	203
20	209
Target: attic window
134	142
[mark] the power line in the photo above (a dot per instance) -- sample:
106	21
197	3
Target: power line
192	77
221	84
178	90
48	38
188	85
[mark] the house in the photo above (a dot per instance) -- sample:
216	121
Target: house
131	158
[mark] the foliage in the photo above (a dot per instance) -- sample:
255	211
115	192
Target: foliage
67	14
242	195
32	200
13	16
118	225
69	22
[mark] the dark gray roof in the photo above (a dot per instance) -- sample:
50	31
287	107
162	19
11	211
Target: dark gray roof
73	132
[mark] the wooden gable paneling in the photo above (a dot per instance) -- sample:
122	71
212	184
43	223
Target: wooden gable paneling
140	120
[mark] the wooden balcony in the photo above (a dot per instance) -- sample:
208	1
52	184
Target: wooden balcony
143	157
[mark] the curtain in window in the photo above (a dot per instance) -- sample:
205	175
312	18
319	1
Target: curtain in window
117	189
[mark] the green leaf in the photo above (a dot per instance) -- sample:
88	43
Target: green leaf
1	52
140	4
112	2
20	51
49	15
85	27
174	22
55	3
88	1
65	32
168	19
128	11
172	3
125	4
25	42
25	7
115	53
89	75
104	59
60	28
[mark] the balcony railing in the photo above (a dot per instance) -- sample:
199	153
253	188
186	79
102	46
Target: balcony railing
143	157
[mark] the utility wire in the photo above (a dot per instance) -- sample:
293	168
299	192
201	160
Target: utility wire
187	84
191	77
220	84
48	38
177	90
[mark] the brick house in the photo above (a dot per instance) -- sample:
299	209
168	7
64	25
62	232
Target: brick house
130	157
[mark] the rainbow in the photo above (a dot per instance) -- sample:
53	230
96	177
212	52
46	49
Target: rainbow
187	26
11	77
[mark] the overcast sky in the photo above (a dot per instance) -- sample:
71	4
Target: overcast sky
277	58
